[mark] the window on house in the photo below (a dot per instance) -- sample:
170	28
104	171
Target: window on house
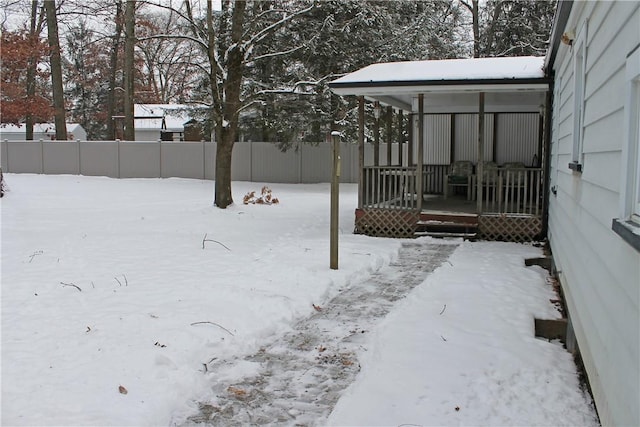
628	225
633	129
578	100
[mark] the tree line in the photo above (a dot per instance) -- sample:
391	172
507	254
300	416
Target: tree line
256	68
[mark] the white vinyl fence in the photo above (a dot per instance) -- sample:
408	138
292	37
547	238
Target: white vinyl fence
252	161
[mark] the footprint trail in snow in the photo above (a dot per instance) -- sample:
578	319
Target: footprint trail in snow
299	377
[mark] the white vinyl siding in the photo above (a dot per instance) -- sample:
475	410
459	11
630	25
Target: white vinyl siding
578	94
631	151
599	271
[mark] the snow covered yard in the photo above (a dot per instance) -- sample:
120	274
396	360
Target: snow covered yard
113	301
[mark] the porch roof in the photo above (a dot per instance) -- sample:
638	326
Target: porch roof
397	83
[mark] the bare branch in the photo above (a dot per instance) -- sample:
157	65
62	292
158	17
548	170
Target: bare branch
267	30
72	285
215	324
215	241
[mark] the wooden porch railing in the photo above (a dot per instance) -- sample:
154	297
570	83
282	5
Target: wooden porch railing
504	191
433	178
513	191
389	187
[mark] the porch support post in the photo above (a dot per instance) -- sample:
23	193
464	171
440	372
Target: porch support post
376	135
545	160
480	168
360	150
389	118
410	143
400	136
420	150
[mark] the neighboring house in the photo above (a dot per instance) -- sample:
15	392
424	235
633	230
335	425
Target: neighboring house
166	122
44	131
594	203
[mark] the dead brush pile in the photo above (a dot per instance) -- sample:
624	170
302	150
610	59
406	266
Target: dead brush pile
265	197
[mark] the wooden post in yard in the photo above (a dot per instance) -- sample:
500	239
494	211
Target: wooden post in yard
360	150
419	188
335	198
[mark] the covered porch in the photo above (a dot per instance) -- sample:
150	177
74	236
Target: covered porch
452	147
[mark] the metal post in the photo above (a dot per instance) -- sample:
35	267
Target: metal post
335	193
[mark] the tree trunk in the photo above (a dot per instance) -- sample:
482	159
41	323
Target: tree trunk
113	67
224	150
129	44
476	28
56	71
31	71
228	128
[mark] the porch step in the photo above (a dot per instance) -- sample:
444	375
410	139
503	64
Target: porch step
448	224
467	236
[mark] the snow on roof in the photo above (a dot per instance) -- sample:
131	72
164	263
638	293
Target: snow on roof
149	116
37	128
520	67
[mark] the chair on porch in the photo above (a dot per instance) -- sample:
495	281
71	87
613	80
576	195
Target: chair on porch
460	176
490	181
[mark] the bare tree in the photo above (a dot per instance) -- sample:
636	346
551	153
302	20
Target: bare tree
113	71
475	24
229	40
510	27
56	70
129	70
35	28
169	71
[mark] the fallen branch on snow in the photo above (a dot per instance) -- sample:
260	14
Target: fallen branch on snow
204	239
72	285
33	255
215	324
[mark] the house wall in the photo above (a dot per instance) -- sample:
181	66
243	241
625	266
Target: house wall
598	270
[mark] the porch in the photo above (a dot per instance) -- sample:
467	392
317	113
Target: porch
510	206
465	150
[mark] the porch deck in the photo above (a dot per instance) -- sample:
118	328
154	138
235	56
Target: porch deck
510	205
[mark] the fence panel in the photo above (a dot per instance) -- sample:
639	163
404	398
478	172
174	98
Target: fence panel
99	158
24	157
269	164
3	156
252	161
316	163
140	160
182	160
241	161
61	157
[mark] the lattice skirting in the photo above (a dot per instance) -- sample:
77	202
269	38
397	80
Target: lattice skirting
387	222
512	228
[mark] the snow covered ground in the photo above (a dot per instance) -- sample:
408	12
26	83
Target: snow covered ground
113	301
